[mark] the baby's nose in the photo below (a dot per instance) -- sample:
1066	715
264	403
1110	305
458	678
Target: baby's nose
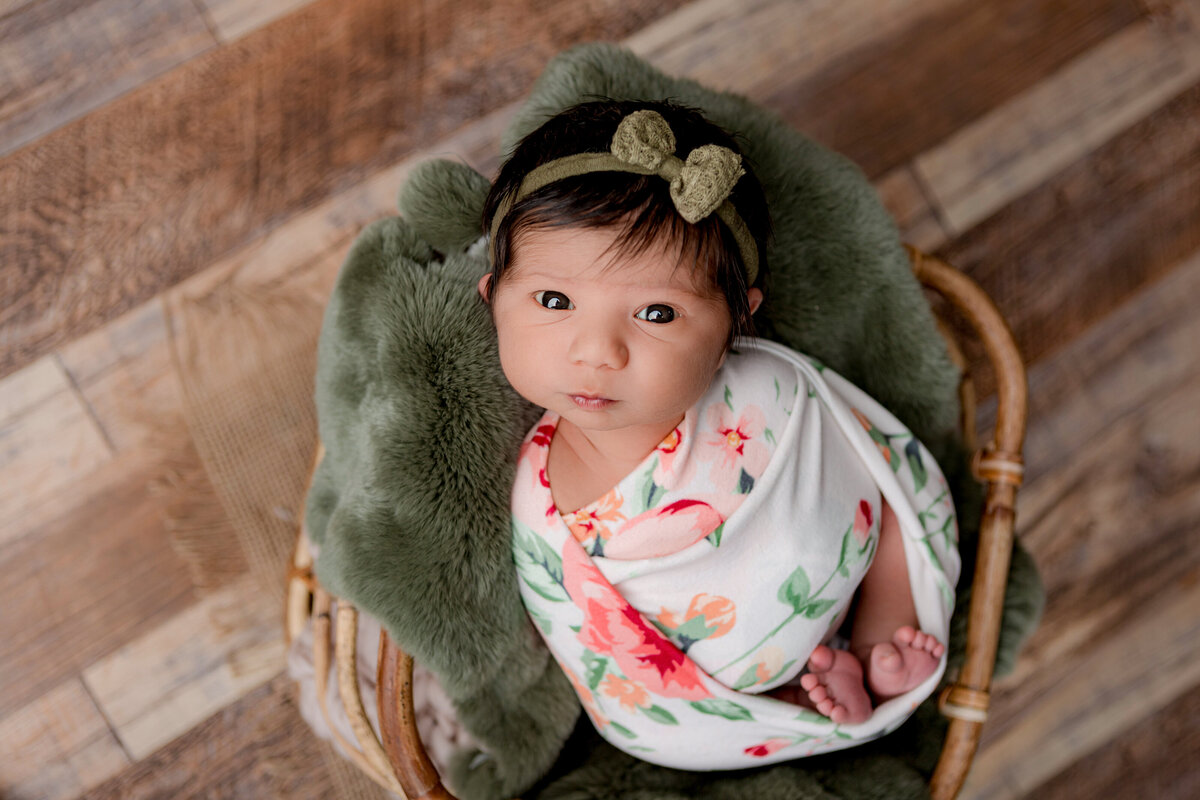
598	347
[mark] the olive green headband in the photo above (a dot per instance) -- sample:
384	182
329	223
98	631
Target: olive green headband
645	145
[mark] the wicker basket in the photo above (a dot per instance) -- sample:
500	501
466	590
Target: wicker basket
397	760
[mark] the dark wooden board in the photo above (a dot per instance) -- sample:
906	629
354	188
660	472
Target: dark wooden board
104	213
256	748
885	104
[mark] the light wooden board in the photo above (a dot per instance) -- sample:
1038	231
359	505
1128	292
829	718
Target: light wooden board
178	674
60	59
48	441
232	19
1016	146
99	569
257	747
58	746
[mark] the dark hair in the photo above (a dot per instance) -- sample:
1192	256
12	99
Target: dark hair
639	204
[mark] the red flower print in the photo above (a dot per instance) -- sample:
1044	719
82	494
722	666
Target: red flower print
613	627
768	747
863	517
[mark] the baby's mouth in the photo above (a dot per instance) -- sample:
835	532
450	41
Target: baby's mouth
591	402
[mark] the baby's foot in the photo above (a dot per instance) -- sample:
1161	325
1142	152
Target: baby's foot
835	685
903	663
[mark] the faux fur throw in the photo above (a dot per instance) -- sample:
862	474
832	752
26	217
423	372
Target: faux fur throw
421	430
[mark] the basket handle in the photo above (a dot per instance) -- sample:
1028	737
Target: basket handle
999	465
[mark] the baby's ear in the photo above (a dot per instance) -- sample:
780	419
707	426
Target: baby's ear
443	202
755	298
485	287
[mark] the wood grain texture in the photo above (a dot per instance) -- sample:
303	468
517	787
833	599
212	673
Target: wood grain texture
58	746
1156	758
1018	145
232	19
885	104
257	747
176	675
49	441
61	59
1064	255
99	570
1110	513
99	216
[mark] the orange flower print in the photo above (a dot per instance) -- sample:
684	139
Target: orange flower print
707	617
630	694
586	699
592	520
876	436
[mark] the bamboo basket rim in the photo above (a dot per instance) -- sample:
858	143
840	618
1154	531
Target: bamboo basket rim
396	759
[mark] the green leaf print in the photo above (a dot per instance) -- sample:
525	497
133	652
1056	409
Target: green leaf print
533	553
660	715
595	666
621	729
817	608
912	451
745	483
646	489
808	715
747	678
794	591
769	435
729	397
714	538
723	708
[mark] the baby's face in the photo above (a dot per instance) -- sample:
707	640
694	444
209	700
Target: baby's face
607	341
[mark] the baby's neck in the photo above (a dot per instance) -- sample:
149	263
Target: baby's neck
585	465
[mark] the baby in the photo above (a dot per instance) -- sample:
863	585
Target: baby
628	246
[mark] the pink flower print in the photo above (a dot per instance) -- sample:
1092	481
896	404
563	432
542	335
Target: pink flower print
611	626
668	450
592	520
863	517
734	445
587	700
768	747
665	530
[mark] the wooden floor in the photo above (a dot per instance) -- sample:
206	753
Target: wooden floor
180	179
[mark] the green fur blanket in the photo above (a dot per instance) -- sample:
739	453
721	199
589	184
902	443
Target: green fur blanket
410	505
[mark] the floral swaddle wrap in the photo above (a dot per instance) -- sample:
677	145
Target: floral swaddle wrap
709	573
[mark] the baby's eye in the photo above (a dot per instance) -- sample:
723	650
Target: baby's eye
556	301
656	313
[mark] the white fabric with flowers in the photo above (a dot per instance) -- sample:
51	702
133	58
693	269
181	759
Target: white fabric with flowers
709	573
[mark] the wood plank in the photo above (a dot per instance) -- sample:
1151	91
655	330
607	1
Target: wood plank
1156	758
47	443
885	104
124	373
99	569
179	673
1066	254
60	59
1018	145
257	747
906	200
232	19
104	213
57	746
1113	503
